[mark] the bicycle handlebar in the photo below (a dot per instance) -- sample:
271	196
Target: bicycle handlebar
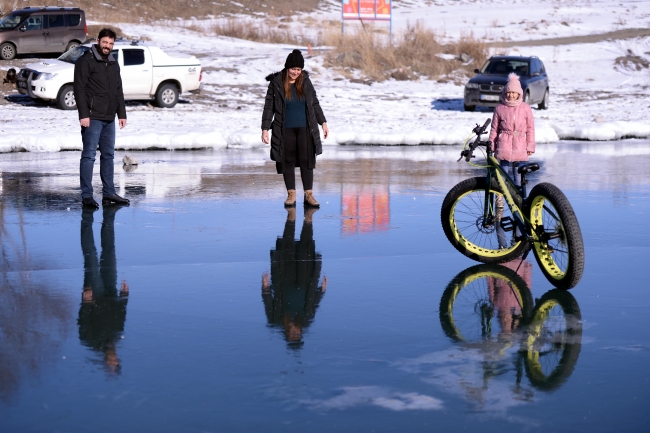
478	130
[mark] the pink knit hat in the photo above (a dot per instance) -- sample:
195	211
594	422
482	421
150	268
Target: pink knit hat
514	85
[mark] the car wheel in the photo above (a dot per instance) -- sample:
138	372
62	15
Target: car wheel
527	97
469	107
544	104
71	45
7	51
66	100
167	96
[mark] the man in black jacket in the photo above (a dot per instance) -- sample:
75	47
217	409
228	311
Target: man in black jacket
99	96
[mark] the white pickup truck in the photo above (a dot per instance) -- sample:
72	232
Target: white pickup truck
147	72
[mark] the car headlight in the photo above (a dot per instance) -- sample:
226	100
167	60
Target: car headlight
471	86
48	76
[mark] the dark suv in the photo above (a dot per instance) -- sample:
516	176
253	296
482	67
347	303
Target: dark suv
485	88
41	30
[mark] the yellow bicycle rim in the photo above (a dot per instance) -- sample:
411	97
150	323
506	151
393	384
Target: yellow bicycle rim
541	248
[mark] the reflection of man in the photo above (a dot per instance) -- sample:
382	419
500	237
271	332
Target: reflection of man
103	310
99	96
292	295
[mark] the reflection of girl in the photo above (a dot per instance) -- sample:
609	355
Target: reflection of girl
513	128
504	298
293	113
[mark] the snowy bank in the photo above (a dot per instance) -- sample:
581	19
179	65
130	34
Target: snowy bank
545	132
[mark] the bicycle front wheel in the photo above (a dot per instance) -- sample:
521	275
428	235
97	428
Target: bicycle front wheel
463	221
558	248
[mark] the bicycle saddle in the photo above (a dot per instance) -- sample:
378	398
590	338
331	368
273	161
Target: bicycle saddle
528	168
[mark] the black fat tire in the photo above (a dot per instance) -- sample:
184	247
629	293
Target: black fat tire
469	107
564	271
556	349
544	104
471	287
7	51
481	247
167	95
65	99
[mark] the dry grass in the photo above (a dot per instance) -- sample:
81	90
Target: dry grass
128	11
415	52
94	29
270	31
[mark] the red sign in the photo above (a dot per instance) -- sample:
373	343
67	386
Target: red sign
366	9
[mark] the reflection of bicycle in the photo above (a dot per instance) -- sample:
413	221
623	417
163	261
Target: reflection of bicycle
490	307
491	220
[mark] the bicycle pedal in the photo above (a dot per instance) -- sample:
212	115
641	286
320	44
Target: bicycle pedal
507	224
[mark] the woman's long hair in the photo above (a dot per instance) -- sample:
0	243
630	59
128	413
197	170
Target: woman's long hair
287	86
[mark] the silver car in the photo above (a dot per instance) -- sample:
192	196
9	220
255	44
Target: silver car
41	30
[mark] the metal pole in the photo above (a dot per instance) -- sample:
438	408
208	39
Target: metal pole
342	18
390	11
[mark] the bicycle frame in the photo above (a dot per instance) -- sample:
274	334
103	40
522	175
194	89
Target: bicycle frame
495	170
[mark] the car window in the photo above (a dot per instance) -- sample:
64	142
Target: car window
35	22
56	21
11	21
535	66
74	20
542	69
115	53
71	56
133	57
505	66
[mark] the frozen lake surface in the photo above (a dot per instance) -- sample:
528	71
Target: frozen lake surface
192	321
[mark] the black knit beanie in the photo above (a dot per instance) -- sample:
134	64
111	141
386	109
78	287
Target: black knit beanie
295	60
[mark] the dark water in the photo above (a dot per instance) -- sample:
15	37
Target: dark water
203	307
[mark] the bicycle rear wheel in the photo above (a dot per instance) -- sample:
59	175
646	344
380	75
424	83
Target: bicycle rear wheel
554	340
558	249
483	302
462	220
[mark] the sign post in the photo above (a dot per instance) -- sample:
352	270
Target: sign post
369	10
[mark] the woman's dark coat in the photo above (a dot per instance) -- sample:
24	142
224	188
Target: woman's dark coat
273	118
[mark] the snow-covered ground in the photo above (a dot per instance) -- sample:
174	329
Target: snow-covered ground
592	97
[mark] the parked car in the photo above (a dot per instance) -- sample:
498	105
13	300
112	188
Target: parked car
41	30
485	88
147	72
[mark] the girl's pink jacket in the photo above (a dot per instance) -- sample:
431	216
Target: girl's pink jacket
513	132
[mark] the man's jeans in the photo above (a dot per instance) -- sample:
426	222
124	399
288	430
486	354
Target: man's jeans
99	133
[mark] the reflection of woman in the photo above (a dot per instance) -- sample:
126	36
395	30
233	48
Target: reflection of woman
103	312
292	295
293	113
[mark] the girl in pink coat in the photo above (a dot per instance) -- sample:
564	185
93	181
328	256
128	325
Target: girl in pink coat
513	128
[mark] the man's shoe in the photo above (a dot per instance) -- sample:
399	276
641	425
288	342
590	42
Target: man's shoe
309	200
291	198
89	202
110	199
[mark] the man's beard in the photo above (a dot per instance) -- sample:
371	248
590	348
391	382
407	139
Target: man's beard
104	52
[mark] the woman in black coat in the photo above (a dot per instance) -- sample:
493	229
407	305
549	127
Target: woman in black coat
292	113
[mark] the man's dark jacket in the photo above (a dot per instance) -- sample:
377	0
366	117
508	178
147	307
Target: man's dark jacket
98	87
273	118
